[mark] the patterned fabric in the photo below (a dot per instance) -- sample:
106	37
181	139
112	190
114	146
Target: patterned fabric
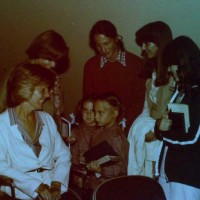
121	58
56	97
33	144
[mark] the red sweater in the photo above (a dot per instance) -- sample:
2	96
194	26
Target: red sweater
123	81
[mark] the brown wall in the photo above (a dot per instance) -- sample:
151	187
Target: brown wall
22	20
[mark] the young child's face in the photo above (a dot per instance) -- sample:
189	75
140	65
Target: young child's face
105	114
88	113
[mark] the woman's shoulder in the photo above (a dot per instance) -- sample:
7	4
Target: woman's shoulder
5	121
45	116
4	117
4	113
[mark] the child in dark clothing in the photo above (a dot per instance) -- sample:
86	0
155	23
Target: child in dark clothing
107	114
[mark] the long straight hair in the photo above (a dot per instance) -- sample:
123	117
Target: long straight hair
160	34
183	52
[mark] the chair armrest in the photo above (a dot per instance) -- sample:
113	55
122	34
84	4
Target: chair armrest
6	181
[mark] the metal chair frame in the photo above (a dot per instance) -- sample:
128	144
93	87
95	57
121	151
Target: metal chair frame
7	181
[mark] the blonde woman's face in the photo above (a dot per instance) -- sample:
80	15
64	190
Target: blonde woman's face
39	96
88	114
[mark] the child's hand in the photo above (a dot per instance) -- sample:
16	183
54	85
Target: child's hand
150	136
94	166
82	159
70	139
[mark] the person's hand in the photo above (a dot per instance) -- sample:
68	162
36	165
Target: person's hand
55	190
70	139
94	166
154	106
81	158
165	123
150	136
43	192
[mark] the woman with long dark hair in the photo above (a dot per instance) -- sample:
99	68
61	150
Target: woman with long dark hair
180	163
144	148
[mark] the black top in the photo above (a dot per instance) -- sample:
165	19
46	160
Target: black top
182	162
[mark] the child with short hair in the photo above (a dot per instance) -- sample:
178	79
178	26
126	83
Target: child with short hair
108	114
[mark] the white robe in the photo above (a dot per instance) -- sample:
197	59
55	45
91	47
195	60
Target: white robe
143	154
139	150
17	158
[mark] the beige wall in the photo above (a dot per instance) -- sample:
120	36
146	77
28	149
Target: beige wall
22	20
